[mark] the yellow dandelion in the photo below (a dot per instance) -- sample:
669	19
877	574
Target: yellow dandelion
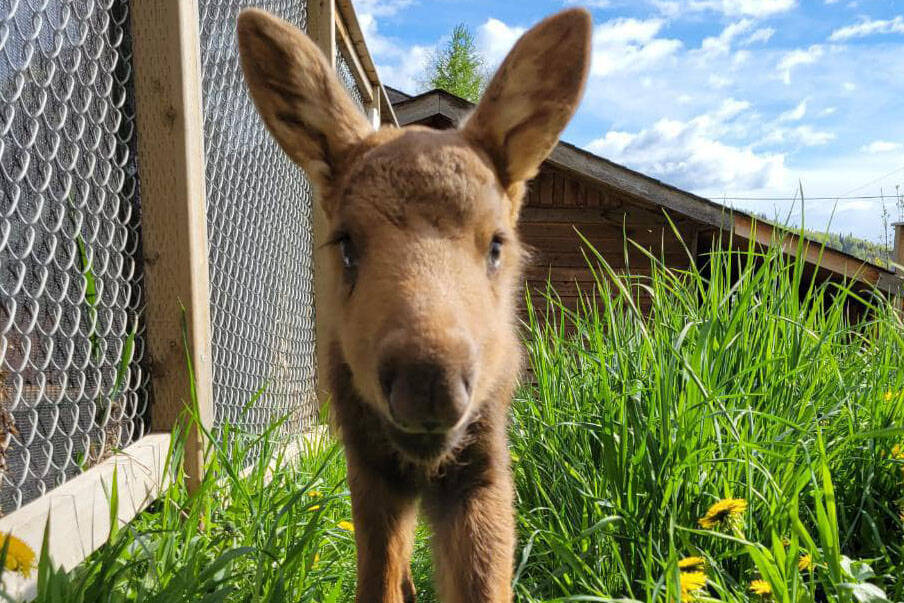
722	512
692	564
888	396
346	525
761	588
19	556
897	452
805	563
314	493
691	584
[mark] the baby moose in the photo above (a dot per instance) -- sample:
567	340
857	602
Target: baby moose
423	266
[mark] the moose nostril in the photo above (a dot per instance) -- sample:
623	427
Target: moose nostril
425	396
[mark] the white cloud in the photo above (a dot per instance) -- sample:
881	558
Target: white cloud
399	66
795	114
764	34
749	8
722	42
590	3
689	154
629	45
381	8
881	146
495	39
804	135
719	81
869	27
798	57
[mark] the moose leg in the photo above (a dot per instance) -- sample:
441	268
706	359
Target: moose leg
474	538
384	531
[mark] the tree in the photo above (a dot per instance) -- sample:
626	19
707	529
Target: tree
458	67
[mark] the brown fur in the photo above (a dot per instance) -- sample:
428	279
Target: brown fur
418	317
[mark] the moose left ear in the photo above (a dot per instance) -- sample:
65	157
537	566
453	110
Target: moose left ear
532	96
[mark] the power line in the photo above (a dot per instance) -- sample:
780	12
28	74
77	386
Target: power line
862	186
797	198
846	196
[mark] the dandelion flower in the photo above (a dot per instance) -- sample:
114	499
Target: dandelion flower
346	525
897	452
805	563
888	396
761	588
691	584
723	512
692	564
314	493
19	556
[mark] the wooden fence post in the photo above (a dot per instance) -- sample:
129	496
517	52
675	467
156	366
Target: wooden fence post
167	70
898	255
322	30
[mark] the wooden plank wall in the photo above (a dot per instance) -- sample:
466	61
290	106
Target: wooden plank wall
561	203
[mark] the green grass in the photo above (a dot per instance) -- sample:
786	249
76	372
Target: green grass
758	388
749	383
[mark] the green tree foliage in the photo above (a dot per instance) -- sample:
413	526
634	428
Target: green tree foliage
876	253
458	67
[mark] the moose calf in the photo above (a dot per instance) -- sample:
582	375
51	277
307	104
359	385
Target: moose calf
423	268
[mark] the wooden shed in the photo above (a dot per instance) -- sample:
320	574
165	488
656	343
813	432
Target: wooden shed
609	203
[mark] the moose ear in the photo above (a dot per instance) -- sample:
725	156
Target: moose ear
299	97
532	96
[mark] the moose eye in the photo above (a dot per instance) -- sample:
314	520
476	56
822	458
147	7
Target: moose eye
495	253
347	253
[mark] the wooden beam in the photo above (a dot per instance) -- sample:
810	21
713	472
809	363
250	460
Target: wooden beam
77	513
418	109
372	110
387	113
571	158
166	64
898	257
347	48
813	252
322	28
350	19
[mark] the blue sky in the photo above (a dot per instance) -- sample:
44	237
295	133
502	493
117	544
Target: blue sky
726	98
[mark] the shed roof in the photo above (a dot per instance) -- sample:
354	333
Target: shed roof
443	109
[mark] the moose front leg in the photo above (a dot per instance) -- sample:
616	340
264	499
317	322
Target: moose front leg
384	519
474	538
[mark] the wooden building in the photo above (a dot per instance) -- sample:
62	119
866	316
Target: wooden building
609	203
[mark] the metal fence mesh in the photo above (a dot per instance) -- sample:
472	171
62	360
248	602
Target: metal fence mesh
344	71
72	389
259	226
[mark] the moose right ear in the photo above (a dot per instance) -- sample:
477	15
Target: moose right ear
299	97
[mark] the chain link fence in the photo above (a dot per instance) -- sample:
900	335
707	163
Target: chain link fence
72	387
344	71
259	226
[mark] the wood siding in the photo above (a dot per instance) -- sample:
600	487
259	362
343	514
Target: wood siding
560	204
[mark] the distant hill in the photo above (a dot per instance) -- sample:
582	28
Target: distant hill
857	247
868	251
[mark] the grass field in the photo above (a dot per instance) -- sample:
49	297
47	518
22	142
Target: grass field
756	391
